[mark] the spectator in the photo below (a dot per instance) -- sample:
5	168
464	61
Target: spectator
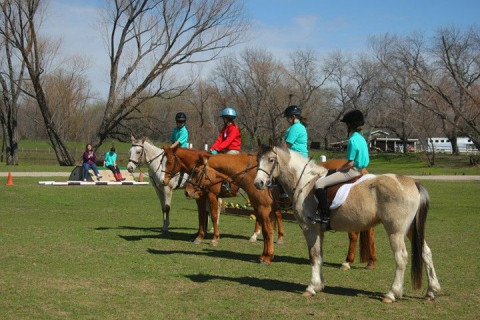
110	162
89	159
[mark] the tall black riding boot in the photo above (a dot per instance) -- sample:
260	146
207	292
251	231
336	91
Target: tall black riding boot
323	212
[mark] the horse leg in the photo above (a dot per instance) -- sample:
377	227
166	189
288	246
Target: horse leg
368	252
164	194
353	237
267	230
433	284
256	232
278	215
314	238
213	201
202	213
397	243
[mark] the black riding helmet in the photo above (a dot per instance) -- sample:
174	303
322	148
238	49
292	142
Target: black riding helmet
180	117
354	118
292	110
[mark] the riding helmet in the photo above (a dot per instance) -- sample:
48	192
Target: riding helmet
292	110
354	118
180	117
229	113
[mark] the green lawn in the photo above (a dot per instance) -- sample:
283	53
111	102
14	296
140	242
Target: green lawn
97	253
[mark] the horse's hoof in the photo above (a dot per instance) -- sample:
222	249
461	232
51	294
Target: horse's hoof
345	266
307	294
369	267
280	241
214	243
252	239
387	300
429	298
197	241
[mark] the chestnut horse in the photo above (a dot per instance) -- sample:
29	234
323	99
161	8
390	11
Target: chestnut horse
212	171
239	169
176	162
398	202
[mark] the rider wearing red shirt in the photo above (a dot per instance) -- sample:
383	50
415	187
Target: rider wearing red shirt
230	139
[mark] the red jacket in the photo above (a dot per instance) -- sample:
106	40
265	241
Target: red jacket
229	138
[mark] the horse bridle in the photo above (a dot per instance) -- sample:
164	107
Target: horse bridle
143	155
270	174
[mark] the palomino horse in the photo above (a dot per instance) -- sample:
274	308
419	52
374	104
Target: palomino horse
239	169
398	202
212	171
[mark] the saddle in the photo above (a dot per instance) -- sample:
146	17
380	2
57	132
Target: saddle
332	190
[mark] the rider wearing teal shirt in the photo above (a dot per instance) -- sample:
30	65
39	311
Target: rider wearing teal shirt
357	151
296	136
180	132
357	159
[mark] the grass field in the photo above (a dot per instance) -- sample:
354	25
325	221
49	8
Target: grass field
97	253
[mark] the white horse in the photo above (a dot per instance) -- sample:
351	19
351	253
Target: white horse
144	152
398	202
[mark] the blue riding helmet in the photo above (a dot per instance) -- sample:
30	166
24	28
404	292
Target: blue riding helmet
229	112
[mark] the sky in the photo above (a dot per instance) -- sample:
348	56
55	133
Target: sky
279	26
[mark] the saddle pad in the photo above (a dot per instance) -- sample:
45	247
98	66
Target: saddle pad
344	190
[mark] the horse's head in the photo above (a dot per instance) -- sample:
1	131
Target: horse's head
172	165
267	169
198	180
136	154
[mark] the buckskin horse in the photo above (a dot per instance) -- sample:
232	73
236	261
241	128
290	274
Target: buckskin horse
398	202
212	171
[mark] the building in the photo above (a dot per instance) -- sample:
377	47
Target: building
380	141
442	144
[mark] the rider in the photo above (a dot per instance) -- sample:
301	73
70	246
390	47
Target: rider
180	132
230	139
357	159
296	135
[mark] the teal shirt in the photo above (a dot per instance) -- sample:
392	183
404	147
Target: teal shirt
357	150
180	135
110	158
297	136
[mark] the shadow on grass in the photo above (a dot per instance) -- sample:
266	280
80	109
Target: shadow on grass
232	255
278	285
171	235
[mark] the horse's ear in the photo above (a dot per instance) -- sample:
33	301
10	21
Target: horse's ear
143	139
259	142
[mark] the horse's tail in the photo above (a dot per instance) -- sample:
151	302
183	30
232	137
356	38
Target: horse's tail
367	246
418	236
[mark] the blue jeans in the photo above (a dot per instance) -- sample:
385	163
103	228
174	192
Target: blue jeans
87	166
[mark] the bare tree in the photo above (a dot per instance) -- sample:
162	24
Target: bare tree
22	19
11	79
254	83
149	40
353	86
446	73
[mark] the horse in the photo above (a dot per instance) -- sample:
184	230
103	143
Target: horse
143	151
240	170
175	163
210	172
398	202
